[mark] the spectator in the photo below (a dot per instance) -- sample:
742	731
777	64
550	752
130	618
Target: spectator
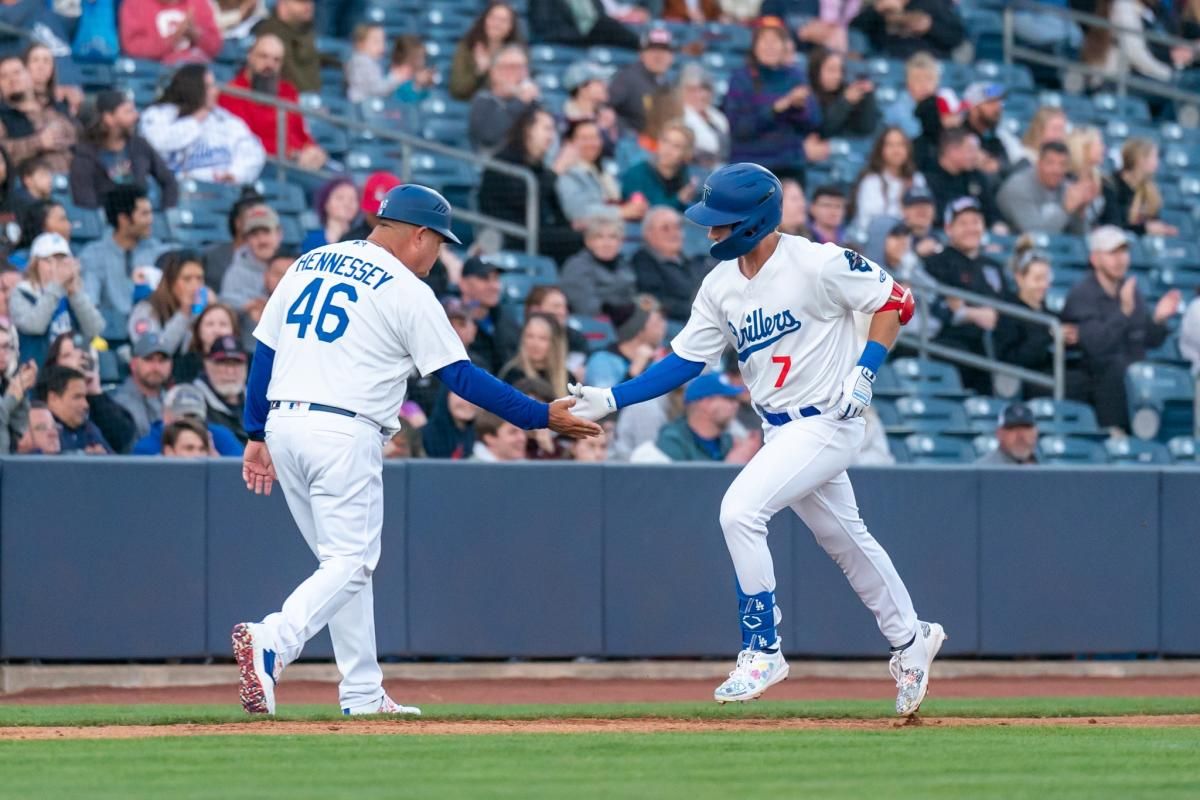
702	433
998	148
890	172
847	109
185	438
773	115
1115	327
666	179
277	266
365	77
111	153
509	94
16	380
27	128
542	354
963	265
186	402
943	112
598	274
169	310
551	300
794	221
242	286
827	215
662	269
1086	145
955	175
1189	334
64	391
291	23
1016	438
115	424
1130	49
504	196
52	299
1042	200
39	218
497	440
637	85
666	108
336	205
828	26
1135	192
41	436
410	66
451	429
223	384
462	320
709	126
594	449
697	11
1029	344
581	23
1048	124
262	74
218	256
918	213
34	184
215	321
1048	29
237	18
640	328
499	334
10	276
586	84
588	188
196	137
113	265
495	27
170	31
377	186
141	394
902	28
43	69
922	74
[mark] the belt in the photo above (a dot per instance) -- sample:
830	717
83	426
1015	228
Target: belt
783	417
341	412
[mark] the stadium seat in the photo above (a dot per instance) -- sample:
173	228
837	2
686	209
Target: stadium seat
1168	352
888	415
1183	449
515	286
333	101
284	197
1160	400
925	377
95	77
540	268
543	56
924	448
447	131
87	224
932	414
611	56
332	138
1064	417
983	413
1015	77
984	444
1129	107
194	225
214	195
1136	451
233	51
899	449
598	332
1070	450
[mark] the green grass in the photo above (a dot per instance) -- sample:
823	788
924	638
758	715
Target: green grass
1077	762
832	709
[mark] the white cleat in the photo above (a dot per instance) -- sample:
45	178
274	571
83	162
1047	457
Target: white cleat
385	706
910	667
754	673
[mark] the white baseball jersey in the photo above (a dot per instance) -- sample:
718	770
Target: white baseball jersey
792	325
349	324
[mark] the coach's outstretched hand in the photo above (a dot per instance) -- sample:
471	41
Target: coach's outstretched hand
594	403
564	422
257	470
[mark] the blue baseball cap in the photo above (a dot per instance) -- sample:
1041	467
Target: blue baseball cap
710	385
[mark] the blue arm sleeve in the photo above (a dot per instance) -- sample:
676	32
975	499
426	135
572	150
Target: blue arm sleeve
659	379
254	417
473	384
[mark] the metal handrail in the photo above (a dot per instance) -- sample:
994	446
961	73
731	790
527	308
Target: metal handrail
1122	78
1055	382
408	143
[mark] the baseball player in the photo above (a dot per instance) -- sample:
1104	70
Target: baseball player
338	339
787	306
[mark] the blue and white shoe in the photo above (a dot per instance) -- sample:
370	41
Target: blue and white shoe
910	667
385	706
754	673
258	669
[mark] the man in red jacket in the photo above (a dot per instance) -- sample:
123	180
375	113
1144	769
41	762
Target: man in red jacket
261	74
170	31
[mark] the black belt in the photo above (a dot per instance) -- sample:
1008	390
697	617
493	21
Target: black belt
341	412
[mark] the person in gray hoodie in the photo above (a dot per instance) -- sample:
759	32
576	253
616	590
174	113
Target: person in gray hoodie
242	286
599	274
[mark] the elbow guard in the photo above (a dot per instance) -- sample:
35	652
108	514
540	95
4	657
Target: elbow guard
901	300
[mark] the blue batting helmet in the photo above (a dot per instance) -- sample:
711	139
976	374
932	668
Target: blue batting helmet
421	206
746	196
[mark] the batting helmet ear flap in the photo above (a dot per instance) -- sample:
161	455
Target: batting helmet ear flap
745	196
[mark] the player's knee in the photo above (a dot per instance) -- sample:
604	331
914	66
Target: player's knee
737	517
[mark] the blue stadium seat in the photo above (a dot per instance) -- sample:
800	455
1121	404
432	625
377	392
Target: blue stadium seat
341	49
1063	247
1137	451
332	138
1186	280
1070	450
216	195
1183	449
515	286
1168	352
932	414
1015	77
293	231
985	27
284	197
727	36
443	105
1064	417
143	89
393	22
922	376
233	51
87	224
1160	400
197	218
924	448
899	449
540	268
886	382
1130	107
140	67
1181	156
561	56
94	77
983	413
611	56
598	332
984	444
888	415
1056	298
332	101
452	132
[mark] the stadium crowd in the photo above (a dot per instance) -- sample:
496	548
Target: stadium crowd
148	218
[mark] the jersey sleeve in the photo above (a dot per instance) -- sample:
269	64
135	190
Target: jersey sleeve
853	283
269	324
426	331
702	338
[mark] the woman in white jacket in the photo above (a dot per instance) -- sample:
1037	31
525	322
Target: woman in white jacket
890	172
197	138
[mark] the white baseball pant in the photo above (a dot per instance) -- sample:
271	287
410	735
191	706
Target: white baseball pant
803	465
331	471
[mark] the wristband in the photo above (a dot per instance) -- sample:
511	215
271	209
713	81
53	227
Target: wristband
872	356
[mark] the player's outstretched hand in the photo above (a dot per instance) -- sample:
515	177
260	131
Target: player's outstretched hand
594	404
257	470
857	391
564	422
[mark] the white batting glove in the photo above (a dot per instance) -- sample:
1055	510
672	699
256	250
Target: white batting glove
857	391
592	403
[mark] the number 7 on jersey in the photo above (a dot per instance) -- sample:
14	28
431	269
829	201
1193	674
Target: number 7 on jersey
785	363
